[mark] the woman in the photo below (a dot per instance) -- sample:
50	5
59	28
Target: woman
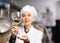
27	34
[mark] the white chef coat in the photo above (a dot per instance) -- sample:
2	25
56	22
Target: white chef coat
34	35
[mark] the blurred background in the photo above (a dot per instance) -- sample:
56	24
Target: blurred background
48	17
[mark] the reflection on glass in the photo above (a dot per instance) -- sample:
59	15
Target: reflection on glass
16	18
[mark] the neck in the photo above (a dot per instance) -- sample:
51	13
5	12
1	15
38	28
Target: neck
27	27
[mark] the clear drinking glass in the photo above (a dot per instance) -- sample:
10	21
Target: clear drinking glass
15	18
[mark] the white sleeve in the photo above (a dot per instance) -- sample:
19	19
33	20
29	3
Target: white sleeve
39	37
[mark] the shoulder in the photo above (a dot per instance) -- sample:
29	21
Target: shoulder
37	31
38	34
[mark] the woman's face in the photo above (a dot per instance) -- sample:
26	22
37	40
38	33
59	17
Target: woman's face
27	18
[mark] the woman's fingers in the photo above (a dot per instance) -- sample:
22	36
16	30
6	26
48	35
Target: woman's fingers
23	37
14	30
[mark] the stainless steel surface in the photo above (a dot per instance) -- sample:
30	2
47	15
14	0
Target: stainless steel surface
5	25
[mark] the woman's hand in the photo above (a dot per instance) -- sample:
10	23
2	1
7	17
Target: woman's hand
14	30
24	37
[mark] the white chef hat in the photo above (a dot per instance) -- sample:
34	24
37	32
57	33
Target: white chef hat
30	9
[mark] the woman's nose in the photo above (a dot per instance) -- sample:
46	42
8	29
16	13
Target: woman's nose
26	17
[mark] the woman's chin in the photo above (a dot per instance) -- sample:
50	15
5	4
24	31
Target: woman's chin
26	24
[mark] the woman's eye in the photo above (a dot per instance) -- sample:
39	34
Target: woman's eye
29	14
23	15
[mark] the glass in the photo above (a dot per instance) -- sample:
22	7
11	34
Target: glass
16	18
16	21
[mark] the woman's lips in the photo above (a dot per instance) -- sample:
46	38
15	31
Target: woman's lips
27	21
